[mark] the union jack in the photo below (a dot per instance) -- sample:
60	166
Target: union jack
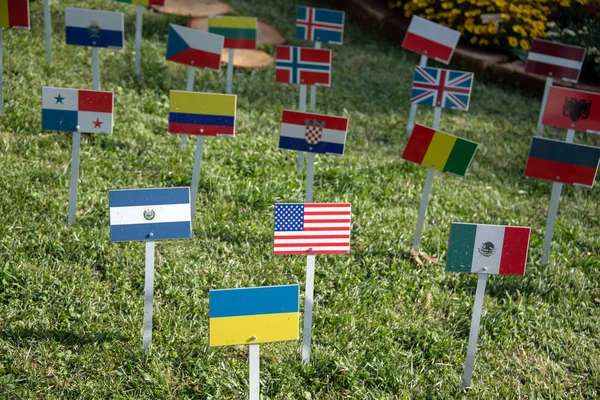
443	88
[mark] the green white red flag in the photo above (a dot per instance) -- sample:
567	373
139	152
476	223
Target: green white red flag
489	249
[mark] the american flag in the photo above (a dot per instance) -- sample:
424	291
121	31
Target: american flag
312	228
444	88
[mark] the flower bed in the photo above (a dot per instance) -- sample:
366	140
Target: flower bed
510	26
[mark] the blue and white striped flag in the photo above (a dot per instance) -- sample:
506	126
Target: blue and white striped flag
150	214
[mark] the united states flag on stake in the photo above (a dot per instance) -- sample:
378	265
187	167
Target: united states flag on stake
555	60
444	88
312	228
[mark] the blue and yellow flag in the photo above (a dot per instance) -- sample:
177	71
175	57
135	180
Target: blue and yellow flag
254	315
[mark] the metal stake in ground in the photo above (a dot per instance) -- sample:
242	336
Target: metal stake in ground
139	21
553	210
540	126
310	270
254	363
474	333
189	88
313	89
229	81
437	115
413	106
48	29
301	108
148	295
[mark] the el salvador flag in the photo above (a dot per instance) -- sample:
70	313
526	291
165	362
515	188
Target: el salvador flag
150	214
94	28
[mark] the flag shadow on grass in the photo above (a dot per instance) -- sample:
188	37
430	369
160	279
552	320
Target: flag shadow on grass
19	336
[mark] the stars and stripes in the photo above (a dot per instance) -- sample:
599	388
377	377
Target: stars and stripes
444	88
312	228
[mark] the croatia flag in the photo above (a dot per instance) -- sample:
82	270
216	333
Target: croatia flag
94	28
431	39
304	66
319	25
487	249
313	133
76	110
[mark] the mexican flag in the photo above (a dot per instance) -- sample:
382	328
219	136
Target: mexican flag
490	249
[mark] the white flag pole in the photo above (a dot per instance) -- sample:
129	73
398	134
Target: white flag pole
308	308
310	270
73	187
48	27
437	115
540	127
148	294
301	108
189	88
413	107
95	69
229	81
254	361
196	172
313	89
139	21
554	200
1	76
472	349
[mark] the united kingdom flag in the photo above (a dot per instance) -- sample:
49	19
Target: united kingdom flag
320	25
304	66
444	88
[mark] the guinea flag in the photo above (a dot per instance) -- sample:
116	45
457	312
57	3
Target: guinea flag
490	249
438	150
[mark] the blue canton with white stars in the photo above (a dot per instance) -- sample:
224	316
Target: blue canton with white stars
289	217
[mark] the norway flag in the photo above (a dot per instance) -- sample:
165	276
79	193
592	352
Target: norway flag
304	66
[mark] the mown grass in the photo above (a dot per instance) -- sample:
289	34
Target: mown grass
384	328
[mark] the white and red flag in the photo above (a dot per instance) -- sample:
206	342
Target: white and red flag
312	228
430	39
556	60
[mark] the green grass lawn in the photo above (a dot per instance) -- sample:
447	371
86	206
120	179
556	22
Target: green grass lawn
71	302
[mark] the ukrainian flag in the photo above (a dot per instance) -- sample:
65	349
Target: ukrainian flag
254	315
207	114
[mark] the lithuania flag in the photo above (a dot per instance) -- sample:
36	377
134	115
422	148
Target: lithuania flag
239	32
438	150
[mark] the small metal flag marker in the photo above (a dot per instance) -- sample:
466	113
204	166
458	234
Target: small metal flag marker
252	316
196	49
149	215
485	250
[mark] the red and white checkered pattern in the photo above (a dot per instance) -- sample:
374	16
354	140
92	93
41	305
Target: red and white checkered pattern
313	134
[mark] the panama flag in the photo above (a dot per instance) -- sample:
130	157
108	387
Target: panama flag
14	14
444	88
313	133
73	110
302	65
319	25
147	3
253	315
206	114
312	228
430	39
556	60
573	109
487	249
150	214
94	28
193	47
439	151
563	162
